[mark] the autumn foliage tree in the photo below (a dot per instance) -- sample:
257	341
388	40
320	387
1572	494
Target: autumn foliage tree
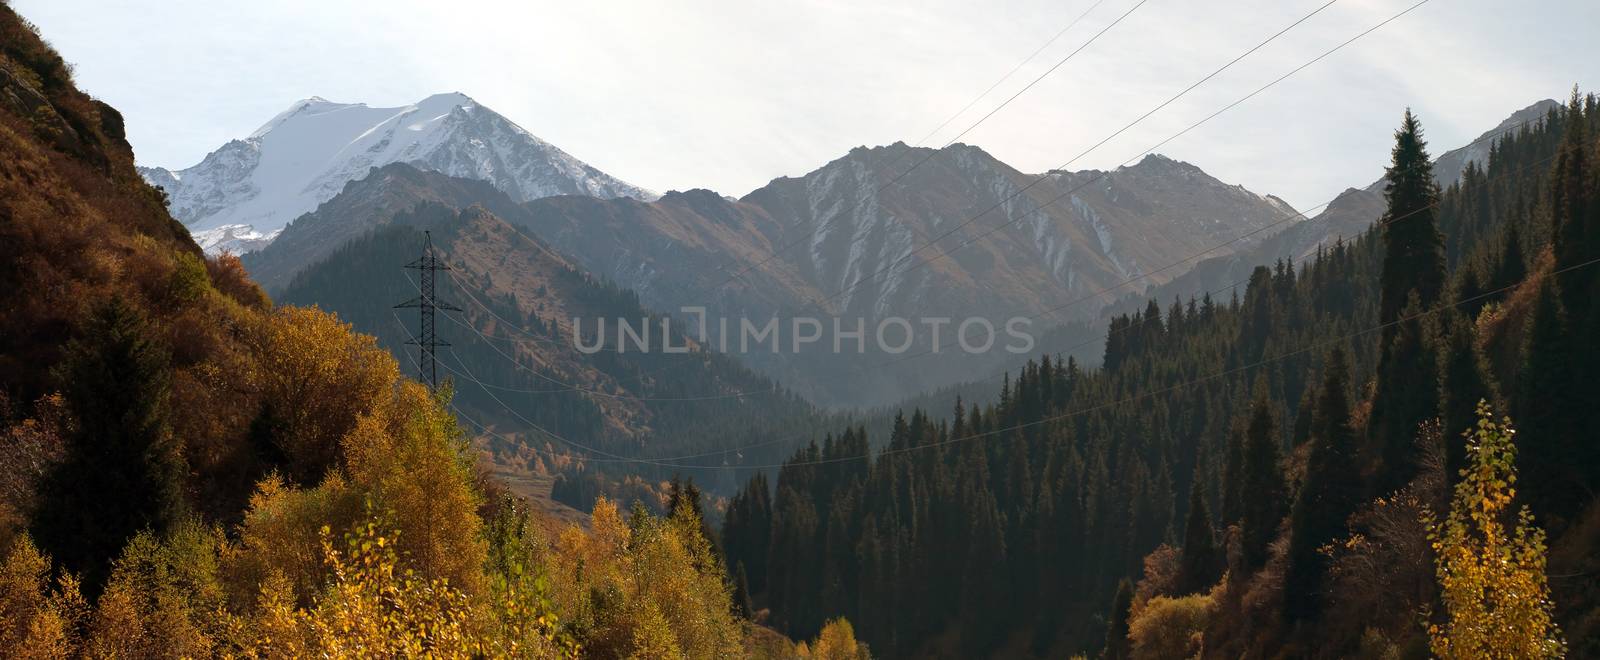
1491	573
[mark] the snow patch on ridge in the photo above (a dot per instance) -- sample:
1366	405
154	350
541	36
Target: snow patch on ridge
307	153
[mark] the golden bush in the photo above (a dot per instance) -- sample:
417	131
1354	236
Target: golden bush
1168	627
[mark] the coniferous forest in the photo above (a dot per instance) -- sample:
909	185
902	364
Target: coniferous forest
1387	450
1251	477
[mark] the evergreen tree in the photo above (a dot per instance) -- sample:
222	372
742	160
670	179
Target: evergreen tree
1303	414
1464	384
1201	560
747	530
1328	496
123	472
1511	267
984	592
1549	399
1117	646
1413	258
1263	489
1407	395
1574	207
1259	316
1411	283
742	603
1558	393
1233	478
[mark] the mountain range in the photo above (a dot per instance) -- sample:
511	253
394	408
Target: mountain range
240	196
847	240
879	233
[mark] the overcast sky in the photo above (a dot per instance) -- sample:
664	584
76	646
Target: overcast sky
728	95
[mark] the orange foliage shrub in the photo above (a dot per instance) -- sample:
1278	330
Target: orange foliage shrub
316	379
229	277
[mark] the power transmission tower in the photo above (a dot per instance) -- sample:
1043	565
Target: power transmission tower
426	340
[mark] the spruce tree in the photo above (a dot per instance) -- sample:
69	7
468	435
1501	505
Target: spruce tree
1410	285
1201	560
1511	267
747	530
1117	646
1464	384
1574	207
1263	489
1413	258
1233	478
1549	403
1259	315
1328	496
1407	395
742	604
123	472
1559	393
1303	413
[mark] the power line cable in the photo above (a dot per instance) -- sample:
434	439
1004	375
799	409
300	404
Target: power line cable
1003	78
1377	225
1302	214
1100	176
896	179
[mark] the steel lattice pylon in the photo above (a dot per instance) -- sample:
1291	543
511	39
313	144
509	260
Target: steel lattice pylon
427	303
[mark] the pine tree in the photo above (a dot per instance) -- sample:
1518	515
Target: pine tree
1201	560
1328	496
1263	489
123	472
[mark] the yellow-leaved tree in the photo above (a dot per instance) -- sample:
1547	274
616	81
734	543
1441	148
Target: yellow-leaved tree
644	587
836	641
1491	577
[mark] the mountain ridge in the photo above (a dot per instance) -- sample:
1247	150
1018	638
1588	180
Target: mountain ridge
242	194
863	236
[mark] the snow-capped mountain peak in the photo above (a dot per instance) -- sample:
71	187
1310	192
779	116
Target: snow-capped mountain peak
305	155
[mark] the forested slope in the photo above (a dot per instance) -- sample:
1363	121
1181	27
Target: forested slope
1261	467
518	372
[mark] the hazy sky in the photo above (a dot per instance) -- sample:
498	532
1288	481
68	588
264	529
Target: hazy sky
728	95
